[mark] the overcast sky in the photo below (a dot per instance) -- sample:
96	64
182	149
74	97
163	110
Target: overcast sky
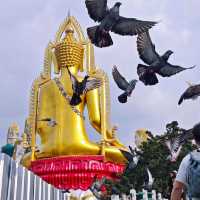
28	25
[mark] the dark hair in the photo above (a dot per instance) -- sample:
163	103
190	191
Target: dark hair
196	133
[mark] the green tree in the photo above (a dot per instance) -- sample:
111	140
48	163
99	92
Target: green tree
154	156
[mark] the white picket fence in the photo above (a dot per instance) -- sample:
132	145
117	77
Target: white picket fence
18	183
143	195
132	196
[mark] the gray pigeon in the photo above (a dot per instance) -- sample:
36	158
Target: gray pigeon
123	84
156	63
132	158
110	20
82	87
148	180
175	144
192	92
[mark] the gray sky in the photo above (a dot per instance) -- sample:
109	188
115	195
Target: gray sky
27	26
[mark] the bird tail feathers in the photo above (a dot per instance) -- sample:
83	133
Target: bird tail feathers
99	37
75	100
146	77
180	100
122	98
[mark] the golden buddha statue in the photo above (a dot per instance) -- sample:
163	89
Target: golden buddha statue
67	134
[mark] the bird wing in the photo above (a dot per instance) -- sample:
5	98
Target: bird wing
151	179
196	89
146	48
176	144
127	155
92	84
132	150
186	135
176	154
73	80
191	92
97	9
131	26
119	79
168	144
146	77
170	70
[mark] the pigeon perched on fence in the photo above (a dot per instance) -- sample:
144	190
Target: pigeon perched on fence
148	180
132	158
175	144
156	63
110	20
82	87
123	84
192	92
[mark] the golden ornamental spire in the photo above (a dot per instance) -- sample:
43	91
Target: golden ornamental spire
70	23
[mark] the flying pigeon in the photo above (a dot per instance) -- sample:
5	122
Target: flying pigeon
51	122
148	180
192	92
82	87
132	158
156	63
175	144
174	149
110	20
123	84
96	186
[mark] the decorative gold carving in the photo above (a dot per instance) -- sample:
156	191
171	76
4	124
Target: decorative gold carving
69	52
46	74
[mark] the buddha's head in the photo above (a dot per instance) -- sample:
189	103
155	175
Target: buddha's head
69	52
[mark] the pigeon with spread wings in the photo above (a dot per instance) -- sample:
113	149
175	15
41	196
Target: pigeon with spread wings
82	87
156	63
123	84
110	20
132	157
192	92
175	144
148	180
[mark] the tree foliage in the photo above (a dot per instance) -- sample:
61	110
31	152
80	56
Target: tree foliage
154	154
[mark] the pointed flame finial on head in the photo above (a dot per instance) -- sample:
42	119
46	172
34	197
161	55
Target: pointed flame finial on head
69	14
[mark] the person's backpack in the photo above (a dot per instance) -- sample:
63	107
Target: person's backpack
193	176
